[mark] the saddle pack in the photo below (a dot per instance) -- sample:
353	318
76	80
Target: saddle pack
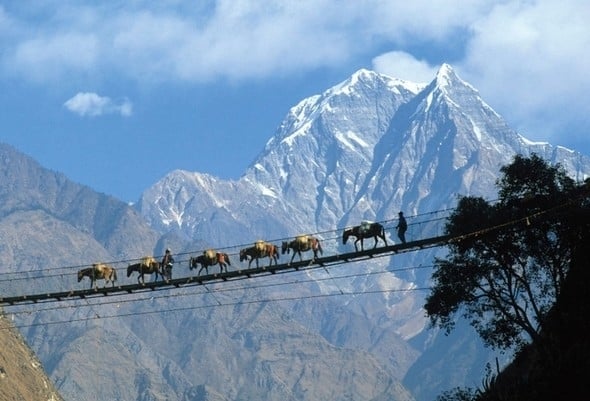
210	254
260	245
365	226
303	240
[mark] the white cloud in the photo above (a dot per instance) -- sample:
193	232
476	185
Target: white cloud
527	58
55	56
404	66
92	105
236	39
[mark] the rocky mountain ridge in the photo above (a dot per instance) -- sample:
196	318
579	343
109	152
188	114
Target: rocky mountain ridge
171	345
21	373
364	149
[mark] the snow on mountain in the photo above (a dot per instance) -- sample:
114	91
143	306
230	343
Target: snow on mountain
364	149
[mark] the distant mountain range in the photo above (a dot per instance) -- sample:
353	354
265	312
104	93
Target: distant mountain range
362	150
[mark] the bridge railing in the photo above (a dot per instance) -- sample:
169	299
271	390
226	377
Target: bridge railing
64	279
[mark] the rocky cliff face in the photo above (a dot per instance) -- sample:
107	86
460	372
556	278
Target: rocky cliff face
199	343
21	373
364	149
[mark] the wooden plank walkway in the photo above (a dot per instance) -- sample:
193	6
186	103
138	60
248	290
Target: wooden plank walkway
296	265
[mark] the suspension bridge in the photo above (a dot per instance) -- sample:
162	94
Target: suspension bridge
237	274
419	225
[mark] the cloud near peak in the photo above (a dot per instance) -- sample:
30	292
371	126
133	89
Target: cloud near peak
89	104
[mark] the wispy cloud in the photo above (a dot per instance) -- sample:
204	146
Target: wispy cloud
535	48
235	39
88	104
404	66
526	59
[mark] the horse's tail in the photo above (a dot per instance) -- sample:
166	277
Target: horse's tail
226	256
383	234
345	235
114	275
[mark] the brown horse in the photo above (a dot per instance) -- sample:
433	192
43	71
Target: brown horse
210	258
302	243
261	249
365	230
98	271
147	265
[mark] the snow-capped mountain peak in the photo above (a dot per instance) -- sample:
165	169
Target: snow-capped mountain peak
363	149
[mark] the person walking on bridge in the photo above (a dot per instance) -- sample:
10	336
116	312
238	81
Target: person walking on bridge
402	227
167	263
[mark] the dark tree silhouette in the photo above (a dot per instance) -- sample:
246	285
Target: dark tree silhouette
510	258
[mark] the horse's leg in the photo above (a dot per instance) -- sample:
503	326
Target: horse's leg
376	240
355	245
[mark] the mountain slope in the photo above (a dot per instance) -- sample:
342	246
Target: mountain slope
26	186
171	344
21	373
362	150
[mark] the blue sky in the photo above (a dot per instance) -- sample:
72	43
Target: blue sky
117	94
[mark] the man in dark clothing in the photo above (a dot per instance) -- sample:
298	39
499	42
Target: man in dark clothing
167	263
402	227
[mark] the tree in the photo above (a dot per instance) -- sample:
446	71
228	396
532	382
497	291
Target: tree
508	260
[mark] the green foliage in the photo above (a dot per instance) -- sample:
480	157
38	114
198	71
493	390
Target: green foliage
508	260
458	394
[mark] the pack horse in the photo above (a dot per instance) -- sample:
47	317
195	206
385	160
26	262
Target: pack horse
261	249
302	243
147	265
365	230
210	257
98	271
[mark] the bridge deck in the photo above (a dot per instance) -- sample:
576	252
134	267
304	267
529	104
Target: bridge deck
230	275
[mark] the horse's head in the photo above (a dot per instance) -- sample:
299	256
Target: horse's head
80	275
130	269
345	234
193	262
243	255
285	247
